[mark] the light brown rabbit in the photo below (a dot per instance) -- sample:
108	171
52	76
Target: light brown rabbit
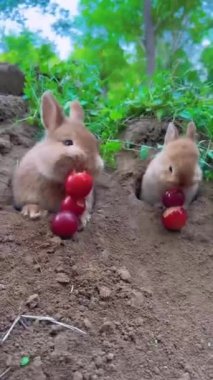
38	182
177	165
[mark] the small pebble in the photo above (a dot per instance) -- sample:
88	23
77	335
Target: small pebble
62	278
104	292
56	240
156	370
124	274
55	329
59	269
112	367
185	376
110	356
99	372
32	301
105	254
77	376
139	321
107	344
58	316
137	300
93	377
51	250
87	323
98	361
107	327
37	267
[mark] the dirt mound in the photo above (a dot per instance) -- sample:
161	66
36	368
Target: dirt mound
14	139
142	294
11	79
11	107
145	131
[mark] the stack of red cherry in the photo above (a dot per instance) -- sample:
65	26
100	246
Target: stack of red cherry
175	216
77	187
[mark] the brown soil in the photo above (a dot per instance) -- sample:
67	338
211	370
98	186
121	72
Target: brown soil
11	107
143	295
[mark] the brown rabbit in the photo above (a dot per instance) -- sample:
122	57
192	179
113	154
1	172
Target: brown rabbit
177	165
38	182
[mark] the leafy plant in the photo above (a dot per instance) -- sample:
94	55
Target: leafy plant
109	102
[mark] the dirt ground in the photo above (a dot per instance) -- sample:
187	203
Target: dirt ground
144	296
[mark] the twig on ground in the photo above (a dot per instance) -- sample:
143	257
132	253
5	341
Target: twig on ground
52	320
10	329
23	324
5	372
39	318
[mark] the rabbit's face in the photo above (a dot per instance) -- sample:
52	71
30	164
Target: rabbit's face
180	163
180	158
75	148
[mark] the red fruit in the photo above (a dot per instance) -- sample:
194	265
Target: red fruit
174	218
64	224
79	185
173	198
75	206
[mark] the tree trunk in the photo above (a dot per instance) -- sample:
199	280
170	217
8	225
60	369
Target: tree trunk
149	37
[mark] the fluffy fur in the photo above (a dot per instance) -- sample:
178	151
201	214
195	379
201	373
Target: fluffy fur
175	166
38	181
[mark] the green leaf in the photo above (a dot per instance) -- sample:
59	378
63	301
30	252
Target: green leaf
159	114
113	146
210	154
185	115
116	115
25	360
144	152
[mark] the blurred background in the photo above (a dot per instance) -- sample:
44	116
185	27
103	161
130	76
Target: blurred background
121	59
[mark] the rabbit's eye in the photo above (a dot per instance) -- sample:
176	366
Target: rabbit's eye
68	142
170	169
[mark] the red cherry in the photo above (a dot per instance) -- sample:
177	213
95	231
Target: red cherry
64	224
174	218
79	185
173	198
75	206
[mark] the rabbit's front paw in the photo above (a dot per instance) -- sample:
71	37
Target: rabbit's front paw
33	211
85	218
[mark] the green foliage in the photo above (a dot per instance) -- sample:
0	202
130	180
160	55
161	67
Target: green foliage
167	97
112	34
174	98
144	152
207	59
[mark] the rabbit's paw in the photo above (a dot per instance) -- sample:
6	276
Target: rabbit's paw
85	218
33	211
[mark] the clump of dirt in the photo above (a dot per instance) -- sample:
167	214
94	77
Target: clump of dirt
14	140
142	294
145	131
11	79
11	107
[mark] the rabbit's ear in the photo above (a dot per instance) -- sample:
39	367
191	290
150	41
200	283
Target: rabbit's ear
51	113
76	111
171	133
191	131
